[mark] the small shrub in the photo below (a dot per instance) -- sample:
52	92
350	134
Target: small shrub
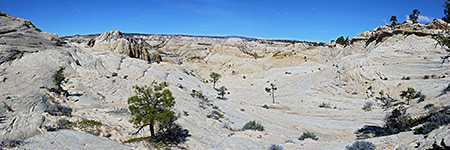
361	145
368	106
215	115
7	107
397	121
253	125
276	147
307	134
242	109
197	94
181	86
426	77
406	78
132	140
324	105
125	77
89	126
265	106
10	143
435	121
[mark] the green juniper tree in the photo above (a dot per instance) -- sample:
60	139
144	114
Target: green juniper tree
446	6
414	17
393	20
214	78
222	91
408	94
151	105
59	78
341	40
271	90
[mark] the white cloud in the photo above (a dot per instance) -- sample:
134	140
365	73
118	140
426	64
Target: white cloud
422	18
425	19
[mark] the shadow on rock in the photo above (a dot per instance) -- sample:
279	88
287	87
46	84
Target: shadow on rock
171	133
369	131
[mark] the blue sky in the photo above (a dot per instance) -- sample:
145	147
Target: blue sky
317	20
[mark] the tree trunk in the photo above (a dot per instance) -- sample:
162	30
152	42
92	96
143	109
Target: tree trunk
273	97
152	131
222	95
214	85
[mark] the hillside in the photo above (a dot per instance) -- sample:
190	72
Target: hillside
102	69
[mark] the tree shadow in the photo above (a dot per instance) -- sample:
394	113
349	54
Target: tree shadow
171	133
369	131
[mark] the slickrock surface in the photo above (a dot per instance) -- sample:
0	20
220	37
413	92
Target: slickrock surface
103	68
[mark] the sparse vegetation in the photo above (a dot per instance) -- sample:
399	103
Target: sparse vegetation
10	143
214	78
341	40
397	121
393	20
151	105
253	125
89	126
309	135
181	86
414	17
324	105
132	140
368	106
7	107
436	120
265	106
361	145
222	91
276	147
446	6
59	79
197	94
215	115
271	90
408	94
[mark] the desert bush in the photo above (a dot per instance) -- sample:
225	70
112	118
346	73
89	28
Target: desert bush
7	107
397	121
324	105
197	94
181	86
89	126
265	106
307	134
406	78
132	140
361	145
253	125
276	147
368	106
215	115
59	110
10	143
435	121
